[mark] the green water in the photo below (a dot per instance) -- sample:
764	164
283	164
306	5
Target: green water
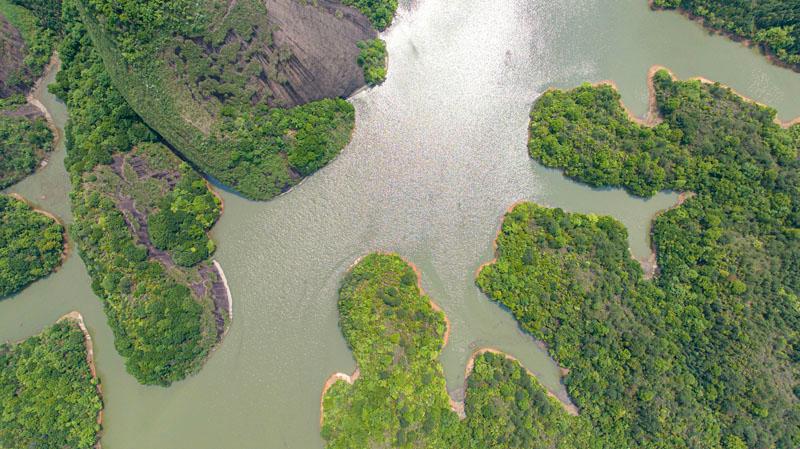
437	157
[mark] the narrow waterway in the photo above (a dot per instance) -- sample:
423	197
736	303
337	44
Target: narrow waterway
438	155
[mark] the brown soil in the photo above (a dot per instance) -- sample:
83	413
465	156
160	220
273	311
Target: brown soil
78	319
212	281
12	55
323	47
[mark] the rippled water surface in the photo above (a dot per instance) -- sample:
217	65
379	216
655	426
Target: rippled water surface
438	155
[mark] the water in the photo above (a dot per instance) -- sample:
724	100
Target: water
438	155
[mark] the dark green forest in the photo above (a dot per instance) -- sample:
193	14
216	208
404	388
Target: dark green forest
31	245
204	79
24	136
48	397
372	59
380	12
773	24
160	327
705	355
23	144
38	37
399	398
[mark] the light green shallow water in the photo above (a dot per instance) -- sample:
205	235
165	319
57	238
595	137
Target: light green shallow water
437	156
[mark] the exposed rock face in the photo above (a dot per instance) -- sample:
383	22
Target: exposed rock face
322	40
12	53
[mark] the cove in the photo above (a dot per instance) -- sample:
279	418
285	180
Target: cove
439	153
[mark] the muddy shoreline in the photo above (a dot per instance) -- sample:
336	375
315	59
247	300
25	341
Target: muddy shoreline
78	319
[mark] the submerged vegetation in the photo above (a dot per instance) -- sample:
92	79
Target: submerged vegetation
31	245
48	396
215	82
774	24
398	399
162	314
705	355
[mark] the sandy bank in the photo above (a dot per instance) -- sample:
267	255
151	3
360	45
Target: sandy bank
53	65
335	377
78	319
227	288
651	73
350	379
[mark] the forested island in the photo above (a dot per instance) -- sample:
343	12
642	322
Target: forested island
31	244
774	25
25	49
49	394
141	217
397	398
249	91
706	354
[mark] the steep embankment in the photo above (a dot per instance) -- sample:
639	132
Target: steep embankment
25	48
249	92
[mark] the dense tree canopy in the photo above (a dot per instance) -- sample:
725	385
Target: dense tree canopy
399	398
38	38
31	245
207	76
48	396
380	12
706	354
373	60
161	314
23	144
773	23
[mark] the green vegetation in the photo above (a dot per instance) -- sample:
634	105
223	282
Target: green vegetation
373	60
380	12
399	399
211	81
47	12
48	396
184	217
775	24
31	245
23	144
705	355
161	313
39	42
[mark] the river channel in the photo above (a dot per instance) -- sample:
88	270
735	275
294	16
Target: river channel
439	153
